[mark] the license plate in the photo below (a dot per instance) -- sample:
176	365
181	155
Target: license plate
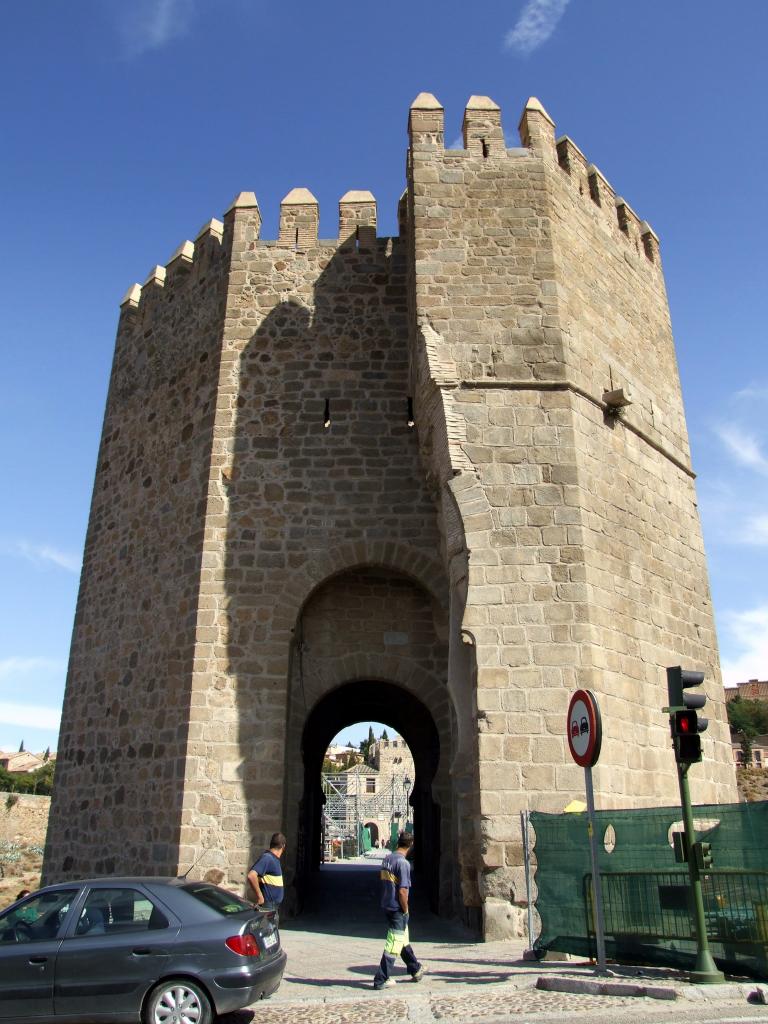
270	941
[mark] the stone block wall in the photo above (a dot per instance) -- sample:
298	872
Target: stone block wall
650	598
124	726
314	332
532	296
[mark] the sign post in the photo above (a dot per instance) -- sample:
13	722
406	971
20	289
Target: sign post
585	735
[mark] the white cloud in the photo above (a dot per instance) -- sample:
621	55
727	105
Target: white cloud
750	393
42	554
744	447
756	531
537	21
29	716
749	633
14	667
150	24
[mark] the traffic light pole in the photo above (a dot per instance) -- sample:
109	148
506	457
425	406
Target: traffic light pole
705	972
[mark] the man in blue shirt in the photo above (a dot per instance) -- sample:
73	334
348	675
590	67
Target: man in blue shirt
266	875
395	889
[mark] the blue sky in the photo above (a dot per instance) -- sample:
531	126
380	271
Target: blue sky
126	126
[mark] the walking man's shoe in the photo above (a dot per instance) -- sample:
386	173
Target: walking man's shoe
389	983
419	974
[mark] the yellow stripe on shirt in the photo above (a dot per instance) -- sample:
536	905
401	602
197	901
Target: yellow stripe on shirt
275	880
388	876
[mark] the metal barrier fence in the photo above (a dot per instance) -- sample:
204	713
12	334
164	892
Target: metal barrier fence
654	906
646	889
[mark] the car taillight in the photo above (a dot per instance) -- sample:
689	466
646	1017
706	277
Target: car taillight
244	945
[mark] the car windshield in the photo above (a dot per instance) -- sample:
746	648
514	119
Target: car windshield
39	917
217	899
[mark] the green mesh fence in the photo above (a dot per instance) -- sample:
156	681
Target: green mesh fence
395	831
363	838
645	891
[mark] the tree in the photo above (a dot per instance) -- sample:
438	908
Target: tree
43	778
39	781
747	719
384	735
21	747
366	744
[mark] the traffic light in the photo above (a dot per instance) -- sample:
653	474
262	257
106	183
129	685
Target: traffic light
702	854
680	846
685	724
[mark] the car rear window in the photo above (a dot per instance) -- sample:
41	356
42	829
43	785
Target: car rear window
217	899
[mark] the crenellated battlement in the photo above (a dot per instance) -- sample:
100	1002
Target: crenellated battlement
298	232
357	219
188	257
299	220
483	136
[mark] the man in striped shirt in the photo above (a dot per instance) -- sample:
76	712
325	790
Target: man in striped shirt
395	889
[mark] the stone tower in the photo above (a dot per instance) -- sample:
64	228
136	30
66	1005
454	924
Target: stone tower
438	480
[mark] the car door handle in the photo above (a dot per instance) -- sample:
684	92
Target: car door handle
142	951
37	961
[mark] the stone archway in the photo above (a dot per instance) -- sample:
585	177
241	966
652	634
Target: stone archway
373	828
395	706
377	627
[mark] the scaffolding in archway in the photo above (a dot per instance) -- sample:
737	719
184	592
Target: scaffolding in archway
348	807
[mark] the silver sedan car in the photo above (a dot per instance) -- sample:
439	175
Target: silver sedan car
156	950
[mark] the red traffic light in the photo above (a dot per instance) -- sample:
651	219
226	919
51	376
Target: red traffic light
685	723
686	726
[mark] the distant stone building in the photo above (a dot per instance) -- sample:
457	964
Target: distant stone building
392	757
752	690
23	762
759	755
438	480
343	755
376	795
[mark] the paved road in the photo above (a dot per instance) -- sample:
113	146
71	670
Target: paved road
334	946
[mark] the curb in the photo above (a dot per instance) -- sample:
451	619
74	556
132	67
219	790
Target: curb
605	988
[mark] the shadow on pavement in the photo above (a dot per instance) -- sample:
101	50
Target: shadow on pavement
331	982
343	899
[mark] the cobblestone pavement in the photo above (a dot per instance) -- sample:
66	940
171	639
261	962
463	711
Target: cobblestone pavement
333	949
506	1005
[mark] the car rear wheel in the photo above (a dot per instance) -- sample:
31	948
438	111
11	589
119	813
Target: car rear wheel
178	1001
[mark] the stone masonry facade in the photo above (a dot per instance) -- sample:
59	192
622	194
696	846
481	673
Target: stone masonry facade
450	465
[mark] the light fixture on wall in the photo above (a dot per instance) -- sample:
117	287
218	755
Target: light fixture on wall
327	414
410	420
616	400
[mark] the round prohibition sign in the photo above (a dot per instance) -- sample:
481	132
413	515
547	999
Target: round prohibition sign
585	729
